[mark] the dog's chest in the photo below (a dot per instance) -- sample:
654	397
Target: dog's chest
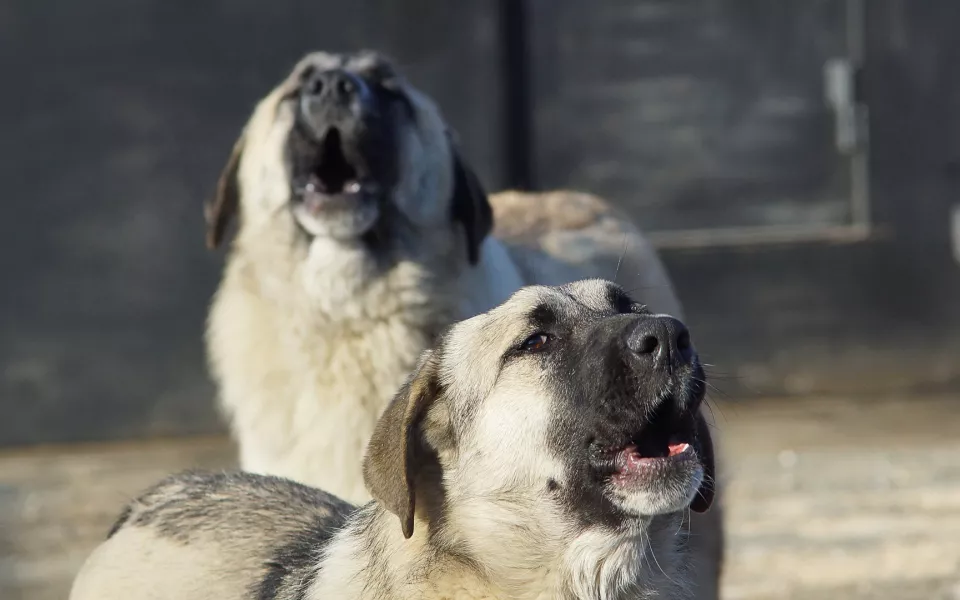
359	368
304	391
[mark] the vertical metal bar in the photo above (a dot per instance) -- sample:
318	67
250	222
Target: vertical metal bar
955	231
856	27
517	136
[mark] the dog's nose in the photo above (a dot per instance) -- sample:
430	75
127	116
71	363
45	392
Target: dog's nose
333	85
663	338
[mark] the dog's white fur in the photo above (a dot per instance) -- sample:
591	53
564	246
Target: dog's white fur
484	523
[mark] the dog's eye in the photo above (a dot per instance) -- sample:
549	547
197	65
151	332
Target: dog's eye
537	341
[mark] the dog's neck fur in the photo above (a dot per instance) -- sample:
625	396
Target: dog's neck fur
293	328
370	559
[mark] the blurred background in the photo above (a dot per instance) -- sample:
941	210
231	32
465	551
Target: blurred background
796	161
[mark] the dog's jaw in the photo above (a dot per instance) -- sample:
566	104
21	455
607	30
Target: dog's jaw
342	223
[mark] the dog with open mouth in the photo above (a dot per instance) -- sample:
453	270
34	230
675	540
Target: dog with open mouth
545	449
362	233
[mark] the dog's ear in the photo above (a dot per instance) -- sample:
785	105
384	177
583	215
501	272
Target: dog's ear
708	487
393	454
470	205
225	202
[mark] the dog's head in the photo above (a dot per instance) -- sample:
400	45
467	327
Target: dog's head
343	146
561	410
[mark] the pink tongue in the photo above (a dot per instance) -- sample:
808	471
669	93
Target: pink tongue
631	459
675	449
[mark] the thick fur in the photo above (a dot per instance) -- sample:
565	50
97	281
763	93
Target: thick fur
310	334
486	474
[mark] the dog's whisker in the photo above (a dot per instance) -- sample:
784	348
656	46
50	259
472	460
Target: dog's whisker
620	260
686	513
653	555
715	391
646	288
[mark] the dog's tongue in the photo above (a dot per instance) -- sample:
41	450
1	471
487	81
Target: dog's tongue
313	197
675	449
631	464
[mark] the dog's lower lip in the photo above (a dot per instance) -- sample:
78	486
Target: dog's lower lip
627	465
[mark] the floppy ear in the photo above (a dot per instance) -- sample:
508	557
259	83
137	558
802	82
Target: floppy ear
224	206
704	498
470	205
391	462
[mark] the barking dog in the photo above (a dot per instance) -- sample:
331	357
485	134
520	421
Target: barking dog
545	449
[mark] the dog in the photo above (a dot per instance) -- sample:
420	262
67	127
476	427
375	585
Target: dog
362	233
545	449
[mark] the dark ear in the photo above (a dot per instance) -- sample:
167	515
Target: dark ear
470	205
704	498
224	206
392	459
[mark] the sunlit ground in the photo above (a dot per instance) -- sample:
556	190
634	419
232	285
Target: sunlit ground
827	498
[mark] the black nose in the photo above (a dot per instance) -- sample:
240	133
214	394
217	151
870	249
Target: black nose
664	338
334	85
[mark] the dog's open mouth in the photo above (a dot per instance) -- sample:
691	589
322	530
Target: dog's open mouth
333	191
634	464
664	442
333	173
329	173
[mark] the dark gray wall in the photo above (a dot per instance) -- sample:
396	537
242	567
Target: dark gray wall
117	115
696	114
692	114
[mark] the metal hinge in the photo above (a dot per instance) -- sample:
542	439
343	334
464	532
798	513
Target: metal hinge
840	91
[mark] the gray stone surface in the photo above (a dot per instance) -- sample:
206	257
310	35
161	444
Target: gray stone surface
826	498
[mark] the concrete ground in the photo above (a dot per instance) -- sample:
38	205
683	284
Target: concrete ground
826	498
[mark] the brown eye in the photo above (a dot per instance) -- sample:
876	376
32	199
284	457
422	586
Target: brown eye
536	342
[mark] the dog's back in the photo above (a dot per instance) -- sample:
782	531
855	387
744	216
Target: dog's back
213	536
562	235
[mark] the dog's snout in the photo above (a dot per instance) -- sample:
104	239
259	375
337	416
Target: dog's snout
663	338
334	85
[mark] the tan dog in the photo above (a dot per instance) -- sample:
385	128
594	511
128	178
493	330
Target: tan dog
545	449
363	233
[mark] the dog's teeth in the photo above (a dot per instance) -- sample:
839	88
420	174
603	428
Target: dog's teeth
352	188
